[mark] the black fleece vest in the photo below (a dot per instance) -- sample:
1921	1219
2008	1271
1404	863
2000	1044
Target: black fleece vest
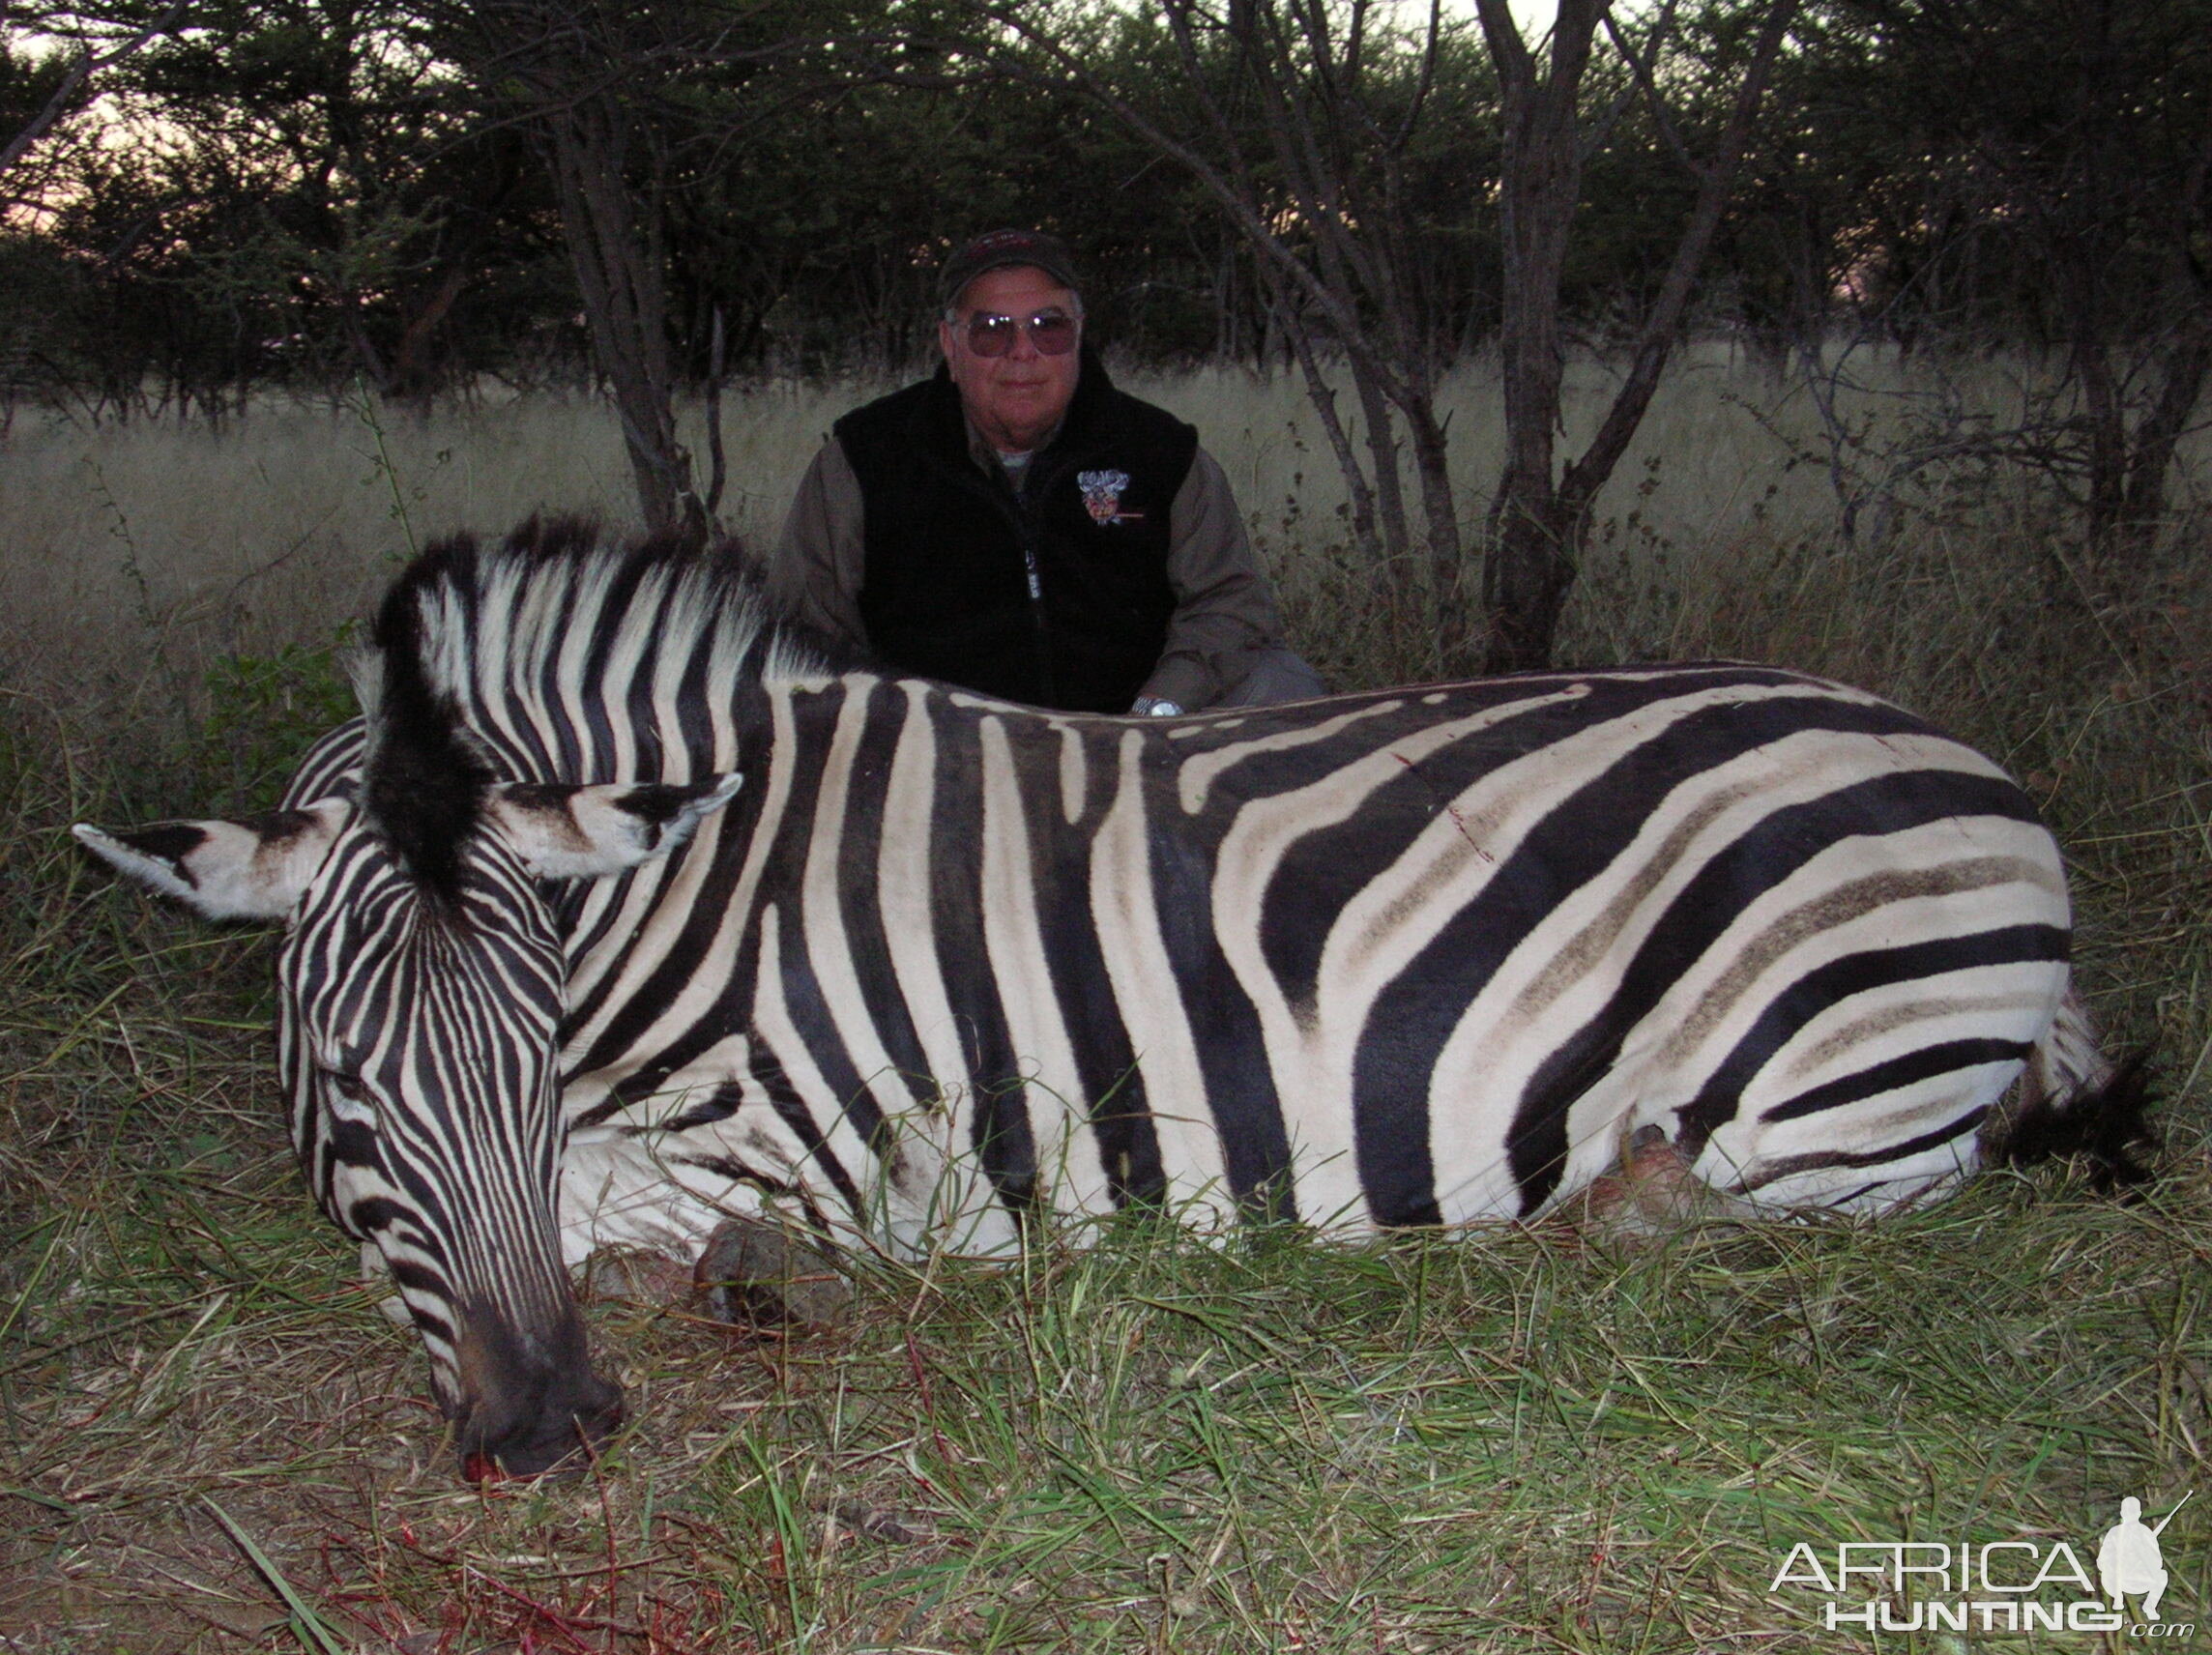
950	550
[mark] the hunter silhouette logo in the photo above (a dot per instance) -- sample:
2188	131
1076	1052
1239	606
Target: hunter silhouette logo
2128	1559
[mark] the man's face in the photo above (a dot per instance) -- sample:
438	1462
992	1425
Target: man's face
1015	399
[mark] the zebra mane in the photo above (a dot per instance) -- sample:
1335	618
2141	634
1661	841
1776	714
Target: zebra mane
550	657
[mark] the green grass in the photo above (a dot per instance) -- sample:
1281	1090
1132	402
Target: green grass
1508	1440
1516	1439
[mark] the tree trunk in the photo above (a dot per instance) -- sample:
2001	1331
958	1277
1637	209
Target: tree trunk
2187	363
2105	416
1526	577
2142	506
1528	563
1440	510
625	304
1538	522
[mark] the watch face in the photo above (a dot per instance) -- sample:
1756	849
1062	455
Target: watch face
1158	708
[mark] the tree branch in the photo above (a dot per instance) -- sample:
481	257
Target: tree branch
80	72
1716	181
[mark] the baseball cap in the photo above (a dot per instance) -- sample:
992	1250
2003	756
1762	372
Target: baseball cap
1001	248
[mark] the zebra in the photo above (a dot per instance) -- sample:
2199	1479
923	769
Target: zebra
626	906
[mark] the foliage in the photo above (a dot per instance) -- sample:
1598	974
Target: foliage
1951	160
298	190
2027	171
314	178
415	195
298	196
264	712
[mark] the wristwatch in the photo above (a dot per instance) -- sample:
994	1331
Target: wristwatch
1155	707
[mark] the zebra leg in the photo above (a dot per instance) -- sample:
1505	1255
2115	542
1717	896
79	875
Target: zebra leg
1652	1192
1912	1123
760	1274
2072	1101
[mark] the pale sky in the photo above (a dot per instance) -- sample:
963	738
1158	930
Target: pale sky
1536	16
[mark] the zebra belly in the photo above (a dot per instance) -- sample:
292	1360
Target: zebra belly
710	1142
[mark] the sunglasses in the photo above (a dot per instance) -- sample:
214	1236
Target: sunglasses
1051	331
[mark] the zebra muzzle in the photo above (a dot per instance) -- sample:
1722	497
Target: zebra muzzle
529	1407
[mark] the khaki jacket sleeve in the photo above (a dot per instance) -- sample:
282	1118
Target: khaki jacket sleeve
1225	610
815	570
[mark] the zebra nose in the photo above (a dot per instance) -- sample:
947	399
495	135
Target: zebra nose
529	1401
557	1430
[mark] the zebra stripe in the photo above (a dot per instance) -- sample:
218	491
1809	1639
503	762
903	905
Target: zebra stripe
1451	933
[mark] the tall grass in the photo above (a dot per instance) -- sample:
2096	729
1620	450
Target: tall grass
1513	1439
270	529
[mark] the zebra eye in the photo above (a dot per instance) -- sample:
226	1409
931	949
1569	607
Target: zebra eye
350	1099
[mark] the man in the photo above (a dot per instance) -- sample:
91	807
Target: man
1018	526
2128	1559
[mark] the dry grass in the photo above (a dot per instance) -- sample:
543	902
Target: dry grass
1513	1439
271	531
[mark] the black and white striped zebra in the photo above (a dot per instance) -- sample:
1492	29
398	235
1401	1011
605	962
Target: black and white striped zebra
941	965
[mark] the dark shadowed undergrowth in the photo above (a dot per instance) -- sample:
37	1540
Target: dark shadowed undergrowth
1517	1439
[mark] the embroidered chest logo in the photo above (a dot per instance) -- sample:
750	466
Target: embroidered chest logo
1102	497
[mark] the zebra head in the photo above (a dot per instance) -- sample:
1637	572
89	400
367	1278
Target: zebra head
423	987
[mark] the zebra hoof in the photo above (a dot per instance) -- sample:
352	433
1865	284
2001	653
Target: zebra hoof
1653	1194
760	1275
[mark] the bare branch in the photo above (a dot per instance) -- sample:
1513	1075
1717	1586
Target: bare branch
1516	67
1427	82
1641	66
1239	205
1716	180
90	62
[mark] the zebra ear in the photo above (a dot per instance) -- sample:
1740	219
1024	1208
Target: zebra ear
226	870
364	669
583	833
